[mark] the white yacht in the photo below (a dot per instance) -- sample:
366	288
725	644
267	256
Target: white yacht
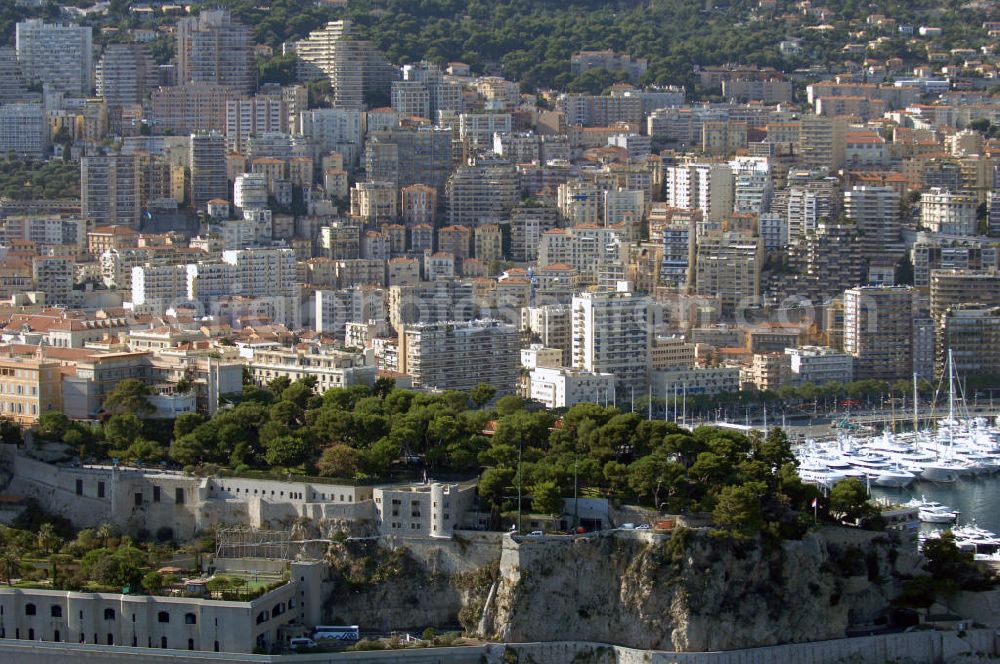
933	512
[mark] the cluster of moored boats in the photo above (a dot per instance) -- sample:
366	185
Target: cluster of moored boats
959	448
983	544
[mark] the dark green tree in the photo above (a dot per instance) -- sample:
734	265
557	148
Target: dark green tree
129	396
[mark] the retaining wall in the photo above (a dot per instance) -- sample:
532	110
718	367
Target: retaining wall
923	647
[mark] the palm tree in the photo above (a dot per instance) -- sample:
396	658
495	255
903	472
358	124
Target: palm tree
105	532
48	539
10	563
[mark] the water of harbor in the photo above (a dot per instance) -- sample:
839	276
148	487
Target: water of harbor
977	498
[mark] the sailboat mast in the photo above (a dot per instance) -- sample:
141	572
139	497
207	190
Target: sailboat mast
951	387
684	408
951	400
916	405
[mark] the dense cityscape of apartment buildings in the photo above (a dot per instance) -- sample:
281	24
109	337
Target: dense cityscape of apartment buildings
464	205
567	247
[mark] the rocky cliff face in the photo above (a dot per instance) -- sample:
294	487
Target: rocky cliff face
688	591
411	584
692	591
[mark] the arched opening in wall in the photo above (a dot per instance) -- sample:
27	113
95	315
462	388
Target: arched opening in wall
190	644
163	642
56	636
216	648
163	617
190	619
109	614
135	641
111	639
29	609
55	611
31	634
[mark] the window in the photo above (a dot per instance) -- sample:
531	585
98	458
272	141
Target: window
55	611
163	617
100	490
79	487
190	619
138	500
179	496
29	609
156	494
109	614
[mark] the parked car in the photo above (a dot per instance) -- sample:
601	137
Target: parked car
536	533
627	526
301	643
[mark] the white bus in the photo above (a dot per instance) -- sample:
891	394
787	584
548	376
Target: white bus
336	633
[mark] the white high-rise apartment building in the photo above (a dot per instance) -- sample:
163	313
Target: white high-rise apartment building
158	286
460	355
335	130
23	130
948	212
625	206
214	48
110	189
250	191
477	129
876	211
611	334
586	249
707	187
351	65
580	202
411	98
562	387
124	74
878	331
753	185
58	56
207	159
246	118
728	266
